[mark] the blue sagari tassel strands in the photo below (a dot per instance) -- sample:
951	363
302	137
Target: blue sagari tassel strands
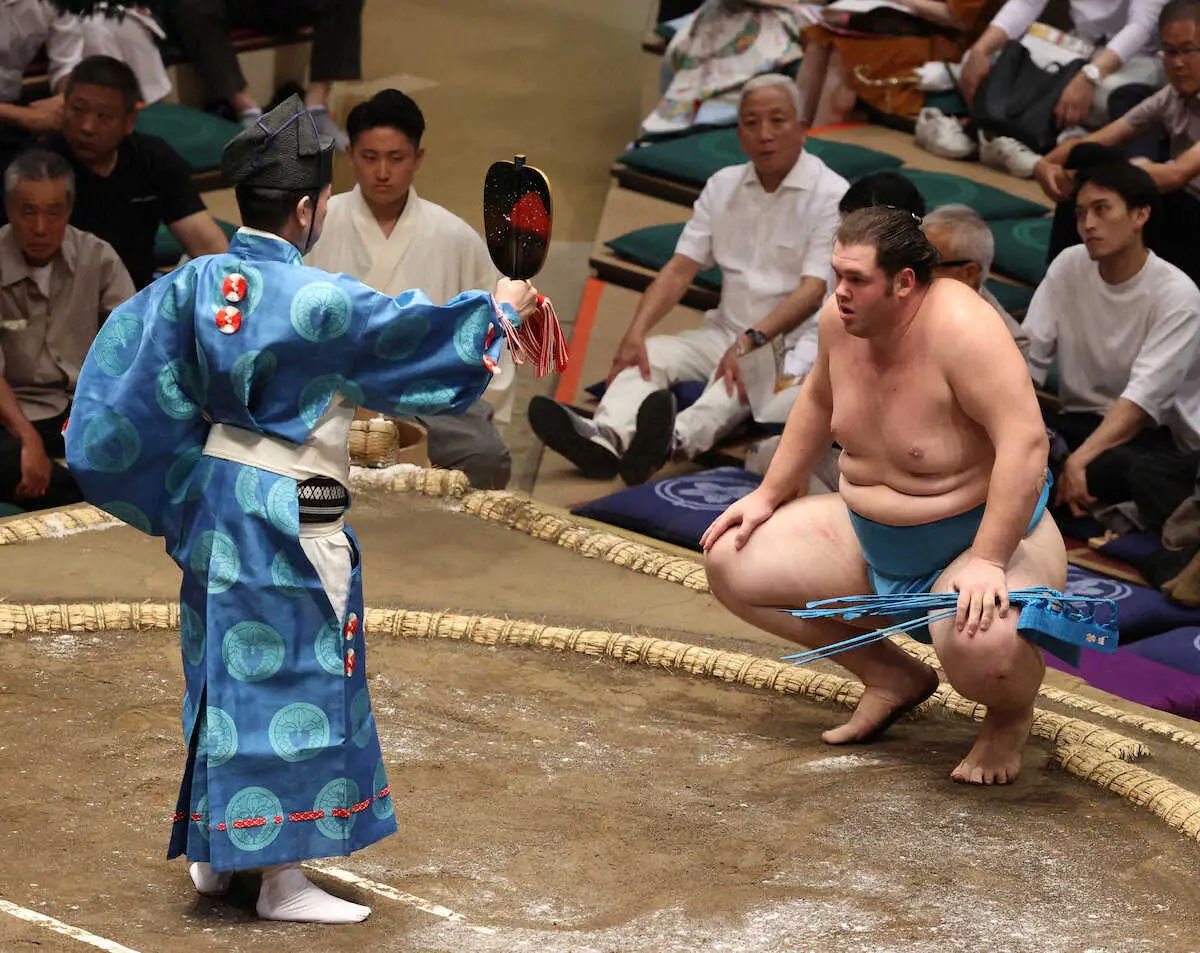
1078	620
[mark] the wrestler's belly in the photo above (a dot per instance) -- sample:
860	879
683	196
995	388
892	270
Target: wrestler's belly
898	498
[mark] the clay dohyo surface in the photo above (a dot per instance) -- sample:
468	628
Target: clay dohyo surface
565	803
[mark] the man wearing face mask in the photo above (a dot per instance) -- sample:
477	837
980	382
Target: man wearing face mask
390	238
214	410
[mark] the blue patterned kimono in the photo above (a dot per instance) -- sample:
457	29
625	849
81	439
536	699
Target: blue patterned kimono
283	756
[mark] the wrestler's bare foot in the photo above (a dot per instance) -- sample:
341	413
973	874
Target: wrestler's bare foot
884	704
996	756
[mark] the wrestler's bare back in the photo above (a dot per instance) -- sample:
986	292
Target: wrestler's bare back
911	454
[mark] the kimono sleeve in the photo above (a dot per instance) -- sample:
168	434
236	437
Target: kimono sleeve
415	358
137	427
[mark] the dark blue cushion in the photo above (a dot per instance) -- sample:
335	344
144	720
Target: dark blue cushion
1179	648
686	392
1143	612
677	510
1132	547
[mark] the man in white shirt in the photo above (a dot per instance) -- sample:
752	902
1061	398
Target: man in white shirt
385	235
1124	328
57	285
26	26
967	247
769	225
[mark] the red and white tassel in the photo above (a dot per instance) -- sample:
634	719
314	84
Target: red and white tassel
539	339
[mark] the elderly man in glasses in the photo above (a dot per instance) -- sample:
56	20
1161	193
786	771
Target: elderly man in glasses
967	247
1170	113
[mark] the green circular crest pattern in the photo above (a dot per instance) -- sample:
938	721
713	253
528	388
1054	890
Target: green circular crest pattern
254	285
401	338
248	491
179	298
221	737
111	443
469	334
321	311
252	651
286	578
329	649
381	807
116	346
128	513
299	731
426	397
251	372
339	793
216	561
362	722
250	803
283	508
178	390
202	819
191	634
179	475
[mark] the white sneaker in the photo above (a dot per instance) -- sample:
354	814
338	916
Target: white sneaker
1008	155
943	135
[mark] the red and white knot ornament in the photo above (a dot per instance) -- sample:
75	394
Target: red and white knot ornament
229	319
350	629
349	662
234	288
538	339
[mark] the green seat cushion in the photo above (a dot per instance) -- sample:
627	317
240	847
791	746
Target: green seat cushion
1021	248
951	103
197	136
652	247
167	249
940	188
693	159
1014	298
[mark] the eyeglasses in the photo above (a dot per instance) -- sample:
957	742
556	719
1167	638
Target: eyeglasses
956	263
1184	52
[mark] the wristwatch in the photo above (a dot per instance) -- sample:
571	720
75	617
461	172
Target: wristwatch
1091	72
756	337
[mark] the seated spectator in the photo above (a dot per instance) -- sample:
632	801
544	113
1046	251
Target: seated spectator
1123	34
384	234
131	36
769	225
128	183
1124	328
967	247
839	69
201	28
26	27
1169	112
57	285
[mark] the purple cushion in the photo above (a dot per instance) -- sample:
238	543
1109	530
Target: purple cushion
1132	547
1179	648
1141	680
686	392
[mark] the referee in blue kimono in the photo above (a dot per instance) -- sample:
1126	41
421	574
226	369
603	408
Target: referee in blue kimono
214	410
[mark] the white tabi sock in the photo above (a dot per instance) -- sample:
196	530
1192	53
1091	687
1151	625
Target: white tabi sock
286	894
208	882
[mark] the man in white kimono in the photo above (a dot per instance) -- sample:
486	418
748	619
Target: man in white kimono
385	235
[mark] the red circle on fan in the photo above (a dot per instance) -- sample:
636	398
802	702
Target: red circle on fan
234	287
229	319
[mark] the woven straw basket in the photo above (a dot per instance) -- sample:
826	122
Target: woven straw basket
385	441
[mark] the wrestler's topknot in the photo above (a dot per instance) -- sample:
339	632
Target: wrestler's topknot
896	236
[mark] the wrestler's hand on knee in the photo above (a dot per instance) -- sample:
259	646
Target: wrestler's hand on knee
747	514
631	352
982	591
